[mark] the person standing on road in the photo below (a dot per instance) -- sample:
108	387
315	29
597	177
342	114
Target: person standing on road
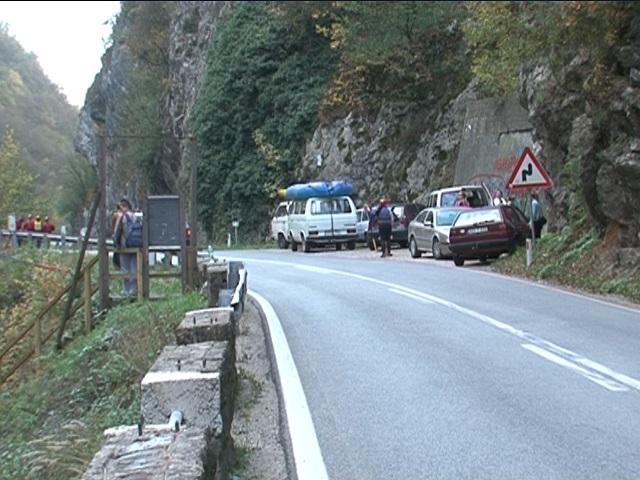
126	236
384	219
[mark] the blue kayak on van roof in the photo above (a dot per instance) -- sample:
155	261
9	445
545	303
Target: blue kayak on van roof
302	191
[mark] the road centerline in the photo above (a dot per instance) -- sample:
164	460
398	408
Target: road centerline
542	344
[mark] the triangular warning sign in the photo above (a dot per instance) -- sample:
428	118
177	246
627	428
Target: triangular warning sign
528	173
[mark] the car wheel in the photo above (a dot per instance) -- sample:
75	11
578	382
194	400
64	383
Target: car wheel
482	258
351	245
282	242
306	248
459	261
338	247
294	246
436	250
413	248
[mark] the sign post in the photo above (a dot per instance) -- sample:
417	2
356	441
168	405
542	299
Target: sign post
528	175
235	224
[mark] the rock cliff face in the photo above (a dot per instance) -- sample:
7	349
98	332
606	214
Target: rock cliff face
401	151
587	129
192	26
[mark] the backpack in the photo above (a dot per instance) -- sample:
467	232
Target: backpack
132	229
383	216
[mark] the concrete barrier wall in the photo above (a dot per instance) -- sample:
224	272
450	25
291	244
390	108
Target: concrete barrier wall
187	403
494	135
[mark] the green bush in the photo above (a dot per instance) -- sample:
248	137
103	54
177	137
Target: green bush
265	77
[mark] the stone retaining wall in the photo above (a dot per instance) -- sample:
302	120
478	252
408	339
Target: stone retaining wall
195	381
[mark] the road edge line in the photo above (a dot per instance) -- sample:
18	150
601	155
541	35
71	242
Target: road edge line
307	456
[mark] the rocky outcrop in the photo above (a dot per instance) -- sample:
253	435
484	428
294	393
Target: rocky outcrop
400	151
587	131
99	109
191	29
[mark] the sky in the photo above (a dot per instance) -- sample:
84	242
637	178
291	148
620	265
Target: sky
67	37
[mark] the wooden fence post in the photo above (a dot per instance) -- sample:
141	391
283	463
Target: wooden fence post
140	274
87	299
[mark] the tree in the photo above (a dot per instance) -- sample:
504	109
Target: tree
16	184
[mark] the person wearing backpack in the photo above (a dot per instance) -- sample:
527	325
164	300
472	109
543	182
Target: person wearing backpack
128	234
384	219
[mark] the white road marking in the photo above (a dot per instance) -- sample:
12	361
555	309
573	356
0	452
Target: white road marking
415	297
178	376
310	268
506	328
306	450
594	377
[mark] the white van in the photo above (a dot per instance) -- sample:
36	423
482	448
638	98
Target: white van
477	196
280	225
322	221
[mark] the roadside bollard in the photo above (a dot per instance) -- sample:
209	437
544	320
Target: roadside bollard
529	252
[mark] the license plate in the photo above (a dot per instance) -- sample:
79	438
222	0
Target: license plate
478	230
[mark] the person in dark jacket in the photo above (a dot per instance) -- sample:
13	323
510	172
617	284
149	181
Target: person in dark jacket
384	219
128	261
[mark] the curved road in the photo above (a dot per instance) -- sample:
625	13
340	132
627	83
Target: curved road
417	370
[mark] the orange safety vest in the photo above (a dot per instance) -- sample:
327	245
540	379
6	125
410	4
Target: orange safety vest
37	226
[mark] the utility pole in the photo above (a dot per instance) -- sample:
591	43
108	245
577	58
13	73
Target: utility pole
103	254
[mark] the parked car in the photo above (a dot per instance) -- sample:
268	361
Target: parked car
487	233
403	213
429	231
322	221
477	196
280	225
362	224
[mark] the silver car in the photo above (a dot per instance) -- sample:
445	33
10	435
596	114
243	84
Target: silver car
429	231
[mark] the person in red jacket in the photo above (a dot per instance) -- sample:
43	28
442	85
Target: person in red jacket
28	225
47	227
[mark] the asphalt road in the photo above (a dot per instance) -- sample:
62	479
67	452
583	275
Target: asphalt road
415	369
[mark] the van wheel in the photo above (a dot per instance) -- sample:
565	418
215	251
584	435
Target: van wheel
351	245
294	246
413	248
435	249
338	247
306	248
459	261
282	242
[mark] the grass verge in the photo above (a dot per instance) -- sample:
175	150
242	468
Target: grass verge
55	414
577	258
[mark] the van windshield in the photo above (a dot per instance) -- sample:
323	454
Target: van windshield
330	205
475	196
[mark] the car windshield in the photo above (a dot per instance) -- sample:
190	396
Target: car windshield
477	217
445	218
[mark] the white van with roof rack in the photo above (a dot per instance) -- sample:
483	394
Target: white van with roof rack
477	196
319	221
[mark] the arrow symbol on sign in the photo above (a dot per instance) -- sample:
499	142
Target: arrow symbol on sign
527	172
